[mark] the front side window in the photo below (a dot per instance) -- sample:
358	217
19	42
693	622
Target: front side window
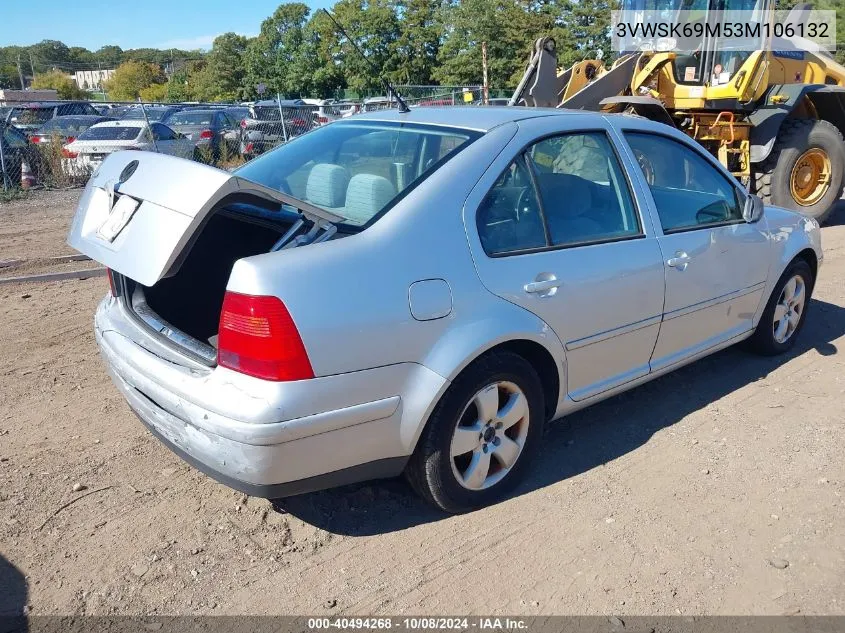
584	192
566	190
357	170
688	191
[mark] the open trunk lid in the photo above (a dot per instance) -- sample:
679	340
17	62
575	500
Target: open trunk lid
141	209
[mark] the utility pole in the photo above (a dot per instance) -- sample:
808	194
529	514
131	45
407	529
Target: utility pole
20	73
485	90
31	65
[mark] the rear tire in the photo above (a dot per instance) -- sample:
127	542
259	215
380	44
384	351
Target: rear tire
481	436
775	176
785	312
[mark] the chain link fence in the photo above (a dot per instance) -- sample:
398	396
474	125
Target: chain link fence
58	144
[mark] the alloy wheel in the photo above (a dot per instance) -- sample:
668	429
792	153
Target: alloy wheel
489	436
789	308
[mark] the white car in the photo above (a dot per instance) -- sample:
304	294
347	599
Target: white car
98	141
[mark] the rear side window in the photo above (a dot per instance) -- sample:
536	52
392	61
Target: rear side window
509	218
688	191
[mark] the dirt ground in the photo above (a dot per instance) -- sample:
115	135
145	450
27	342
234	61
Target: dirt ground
715	490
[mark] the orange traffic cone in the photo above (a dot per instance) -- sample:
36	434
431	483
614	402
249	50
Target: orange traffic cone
27	179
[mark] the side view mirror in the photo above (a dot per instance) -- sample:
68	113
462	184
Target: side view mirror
753	209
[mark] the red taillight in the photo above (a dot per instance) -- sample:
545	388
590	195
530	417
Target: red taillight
70	139
297	121
258	337
68	153
112	286
322	119
243	123
35	139
249	148
206	134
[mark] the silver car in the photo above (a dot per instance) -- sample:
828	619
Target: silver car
423	292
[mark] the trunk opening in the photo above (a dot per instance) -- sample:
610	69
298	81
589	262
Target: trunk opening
184	307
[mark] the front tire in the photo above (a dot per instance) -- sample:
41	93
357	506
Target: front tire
785	312
481	436
805	170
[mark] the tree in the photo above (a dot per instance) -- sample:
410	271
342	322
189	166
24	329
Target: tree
418	42
155	93
61	83
48	54
374	26
109	56
270	56
508	26
223	76
130	78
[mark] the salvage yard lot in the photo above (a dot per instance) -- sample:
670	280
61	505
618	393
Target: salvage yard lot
716	489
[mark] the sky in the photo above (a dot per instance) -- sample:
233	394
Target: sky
185	24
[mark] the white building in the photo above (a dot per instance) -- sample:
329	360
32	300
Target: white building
92	79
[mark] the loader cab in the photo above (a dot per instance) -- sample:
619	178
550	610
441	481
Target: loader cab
711	63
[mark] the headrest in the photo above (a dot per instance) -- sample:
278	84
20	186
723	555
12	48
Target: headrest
366	195
326	185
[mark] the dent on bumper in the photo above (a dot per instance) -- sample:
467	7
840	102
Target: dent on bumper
284	438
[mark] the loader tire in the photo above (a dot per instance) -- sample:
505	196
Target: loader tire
805	170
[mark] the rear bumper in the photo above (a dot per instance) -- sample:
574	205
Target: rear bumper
268	439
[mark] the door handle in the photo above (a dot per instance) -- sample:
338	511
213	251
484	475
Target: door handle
543	286
679	261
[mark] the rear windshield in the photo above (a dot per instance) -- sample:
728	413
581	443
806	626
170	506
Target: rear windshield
271	113
357	170
153	114
67	124
190	118
27	116
110	133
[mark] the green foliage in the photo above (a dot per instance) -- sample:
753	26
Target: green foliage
154	92
509	27
301	53
222	77
130	78
61	83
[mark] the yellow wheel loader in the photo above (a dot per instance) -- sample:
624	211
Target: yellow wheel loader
775	119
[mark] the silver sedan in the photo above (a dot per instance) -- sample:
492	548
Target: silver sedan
423	292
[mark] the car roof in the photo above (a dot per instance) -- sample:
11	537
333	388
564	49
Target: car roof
482	118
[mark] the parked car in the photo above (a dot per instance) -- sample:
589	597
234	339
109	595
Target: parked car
153	113
324	111
90	148
265	128
237	113
213	132
16	149
372	104
31	116
423	292
65	128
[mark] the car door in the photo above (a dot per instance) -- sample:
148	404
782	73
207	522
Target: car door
716	264
555	228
